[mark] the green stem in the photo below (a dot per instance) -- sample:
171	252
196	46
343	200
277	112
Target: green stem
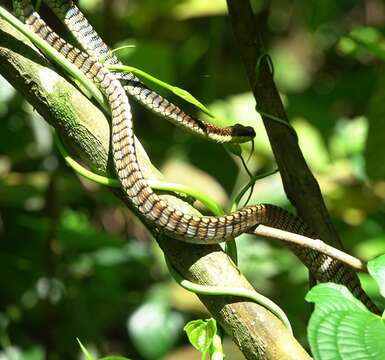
251	183
231	291
277	119
155	184
216	348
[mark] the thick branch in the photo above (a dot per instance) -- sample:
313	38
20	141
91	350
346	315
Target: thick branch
85	131
300	185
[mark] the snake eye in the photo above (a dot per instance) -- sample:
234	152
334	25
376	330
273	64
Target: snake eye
243	131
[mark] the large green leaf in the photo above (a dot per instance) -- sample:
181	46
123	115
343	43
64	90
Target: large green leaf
341	328
332	297
376	268
343	335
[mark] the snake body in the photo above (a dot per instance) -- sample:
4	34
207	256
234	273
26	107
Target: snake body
194	229
92	43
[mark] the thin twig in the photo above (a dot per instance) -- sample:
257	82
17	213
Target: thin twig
314	244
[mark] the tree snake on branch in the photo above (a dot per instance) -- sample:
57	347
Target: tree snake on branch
157	212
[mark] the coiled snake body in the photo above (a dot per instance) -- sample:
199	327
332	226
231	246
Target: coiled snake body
194	229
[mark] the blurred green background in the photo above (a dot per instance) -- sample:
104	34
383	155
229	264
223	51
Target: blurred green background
75	263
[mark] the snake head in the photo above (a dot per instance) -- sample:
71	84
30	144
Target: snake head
242	133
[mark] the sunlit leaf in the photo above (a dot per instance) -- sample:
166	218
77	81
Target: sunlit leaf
376	268
341	328
201	333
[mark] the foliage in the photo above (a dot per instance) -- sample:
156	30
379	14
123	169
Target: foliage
376	268
341	328
75	263
203	335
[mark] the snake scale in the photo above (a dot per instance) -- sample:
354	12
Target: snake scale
157	212
92	43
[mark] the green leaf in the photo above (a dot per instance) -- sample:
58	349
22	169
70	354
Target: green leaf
183	94
341	328
201	333
351	336
84	350
376	268
334	297
114	358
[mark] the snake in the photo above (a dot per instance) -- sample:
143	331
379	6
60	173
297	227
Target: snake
156	211
92	43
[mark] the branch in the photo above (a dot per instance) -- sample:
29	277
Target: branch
85	131
300	185
309	243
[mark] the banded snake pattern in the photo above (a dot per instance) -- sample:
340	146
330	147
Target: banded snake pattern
194	229
92	43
